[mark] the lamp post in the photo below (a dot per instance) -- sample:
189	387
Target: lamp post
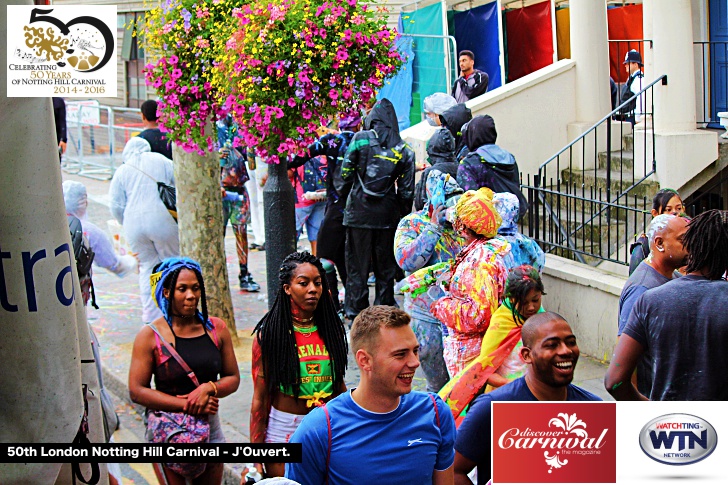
280	223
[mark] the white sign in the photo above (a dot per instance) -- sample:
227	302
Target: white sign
67	51
89	112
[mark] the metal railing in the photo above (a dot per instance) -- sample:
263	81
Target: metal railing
714	81
713	195
590	199
96	138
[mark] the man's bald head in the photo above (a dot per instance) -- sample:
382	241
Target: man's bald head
530	330
665	234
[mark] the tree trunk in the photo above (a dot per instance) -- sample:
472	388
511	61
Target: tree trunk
201	237
279	202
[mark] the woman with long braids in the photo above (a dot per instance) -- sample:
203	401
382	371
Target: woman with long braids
299	354
499	361
204	345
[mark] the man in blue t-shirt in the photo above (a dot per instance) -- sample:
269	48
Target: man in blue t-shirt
380	430
550	350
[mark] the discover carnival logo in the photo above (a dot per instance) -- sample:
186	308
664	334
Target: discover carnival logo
561	443
678	439
66	51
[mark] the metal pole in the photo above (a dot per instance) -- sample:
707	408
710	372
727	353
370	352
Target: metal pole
280	223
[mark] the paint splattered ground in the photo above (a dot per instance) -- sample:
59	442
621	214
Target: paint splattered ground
119	319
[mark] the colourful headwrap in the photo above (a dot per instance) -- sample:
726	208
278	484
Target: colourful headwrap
476	210
157	280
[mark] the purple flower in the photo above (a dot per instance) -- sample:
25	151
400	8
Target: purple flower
187	16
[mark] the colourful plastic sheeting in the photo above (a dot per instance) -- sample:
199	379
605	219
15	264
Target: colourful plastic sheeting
530	39
563	34
476	30
624	23
429	63
399	88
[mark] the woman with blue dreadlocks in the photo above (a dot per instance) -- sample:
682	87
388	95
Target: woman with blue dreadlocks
191	358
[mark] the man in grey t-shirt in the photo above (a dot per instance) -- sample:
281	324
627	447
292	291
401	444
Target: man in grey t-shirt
682	324
667	254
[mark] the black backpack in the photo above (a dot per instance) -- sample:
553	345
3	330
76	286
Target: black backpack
82	252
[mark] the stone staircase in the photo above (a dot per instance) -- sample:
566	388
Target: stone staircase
578	204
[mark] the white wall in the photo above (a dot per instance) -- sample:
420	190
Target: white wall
588	298
531	115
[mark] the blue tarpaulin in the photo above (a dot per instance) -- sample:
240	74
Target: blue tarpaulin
476	30
399	88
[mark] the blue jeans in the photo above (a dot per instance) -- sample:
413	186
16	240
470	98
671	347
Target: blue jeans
311	215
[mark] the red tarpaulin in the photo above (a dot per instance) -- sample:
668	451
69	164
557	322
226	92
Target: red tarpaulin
529	36
624	23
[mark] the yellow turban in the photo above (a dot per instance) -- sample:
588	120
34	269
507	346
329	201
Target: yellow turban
476	211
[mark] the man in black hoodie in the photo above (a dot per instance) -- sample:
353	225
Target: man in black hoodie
455	119
380	168
487	164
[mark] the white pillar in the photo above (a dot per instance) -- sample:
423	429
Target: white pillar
672	31
647	51
590	50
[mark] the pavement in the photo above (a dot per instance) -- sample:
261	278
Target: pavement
118	320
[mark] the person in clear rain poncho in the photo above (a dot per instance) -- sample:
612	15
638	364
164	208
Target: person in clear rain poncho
149	228
76	199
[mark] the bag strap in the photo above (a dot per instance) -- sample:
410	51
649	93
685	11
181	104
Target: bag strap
215	323
328	451
369	192
145	173
437	412
177	357
82	439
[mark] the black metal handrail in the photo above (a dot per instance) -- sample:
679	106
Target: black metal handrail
711	53
565	188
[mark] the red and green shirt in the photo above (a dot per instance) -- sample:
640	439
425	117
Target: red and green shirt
316	382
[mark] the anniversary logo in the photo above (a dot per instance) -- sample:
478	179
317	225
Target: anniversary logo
554	442
66	51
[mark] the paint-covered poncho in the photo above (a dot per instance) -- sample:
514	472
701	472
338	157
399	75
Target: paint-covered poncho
499	354
418	243
476	290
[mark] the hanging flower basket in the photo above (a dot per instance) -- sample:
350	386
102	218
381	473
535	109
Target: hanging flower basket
185	37
291	66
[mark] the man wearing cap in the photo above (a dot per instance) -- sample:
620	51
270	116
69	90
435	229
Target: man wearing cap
633	66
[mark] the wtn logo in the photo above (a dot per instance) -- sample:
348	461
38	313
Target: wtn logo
665	439
678	439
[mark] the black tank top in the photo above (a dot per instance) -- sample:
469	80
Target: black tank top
203	357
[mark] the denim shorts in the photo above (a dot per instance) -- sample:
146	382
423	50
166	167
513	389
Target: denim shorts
312	216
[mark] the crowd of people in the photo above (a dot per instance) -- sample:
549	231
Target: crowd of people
472	316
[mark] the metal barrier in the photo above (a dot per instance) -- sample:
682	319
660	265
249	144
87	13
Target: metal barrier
589	200
451	51
96	138
713	62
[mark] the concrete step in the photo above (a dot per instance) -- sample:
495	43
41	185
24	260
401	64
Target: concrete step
596	239
598	180
576	205
589	231
621	160
628	141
